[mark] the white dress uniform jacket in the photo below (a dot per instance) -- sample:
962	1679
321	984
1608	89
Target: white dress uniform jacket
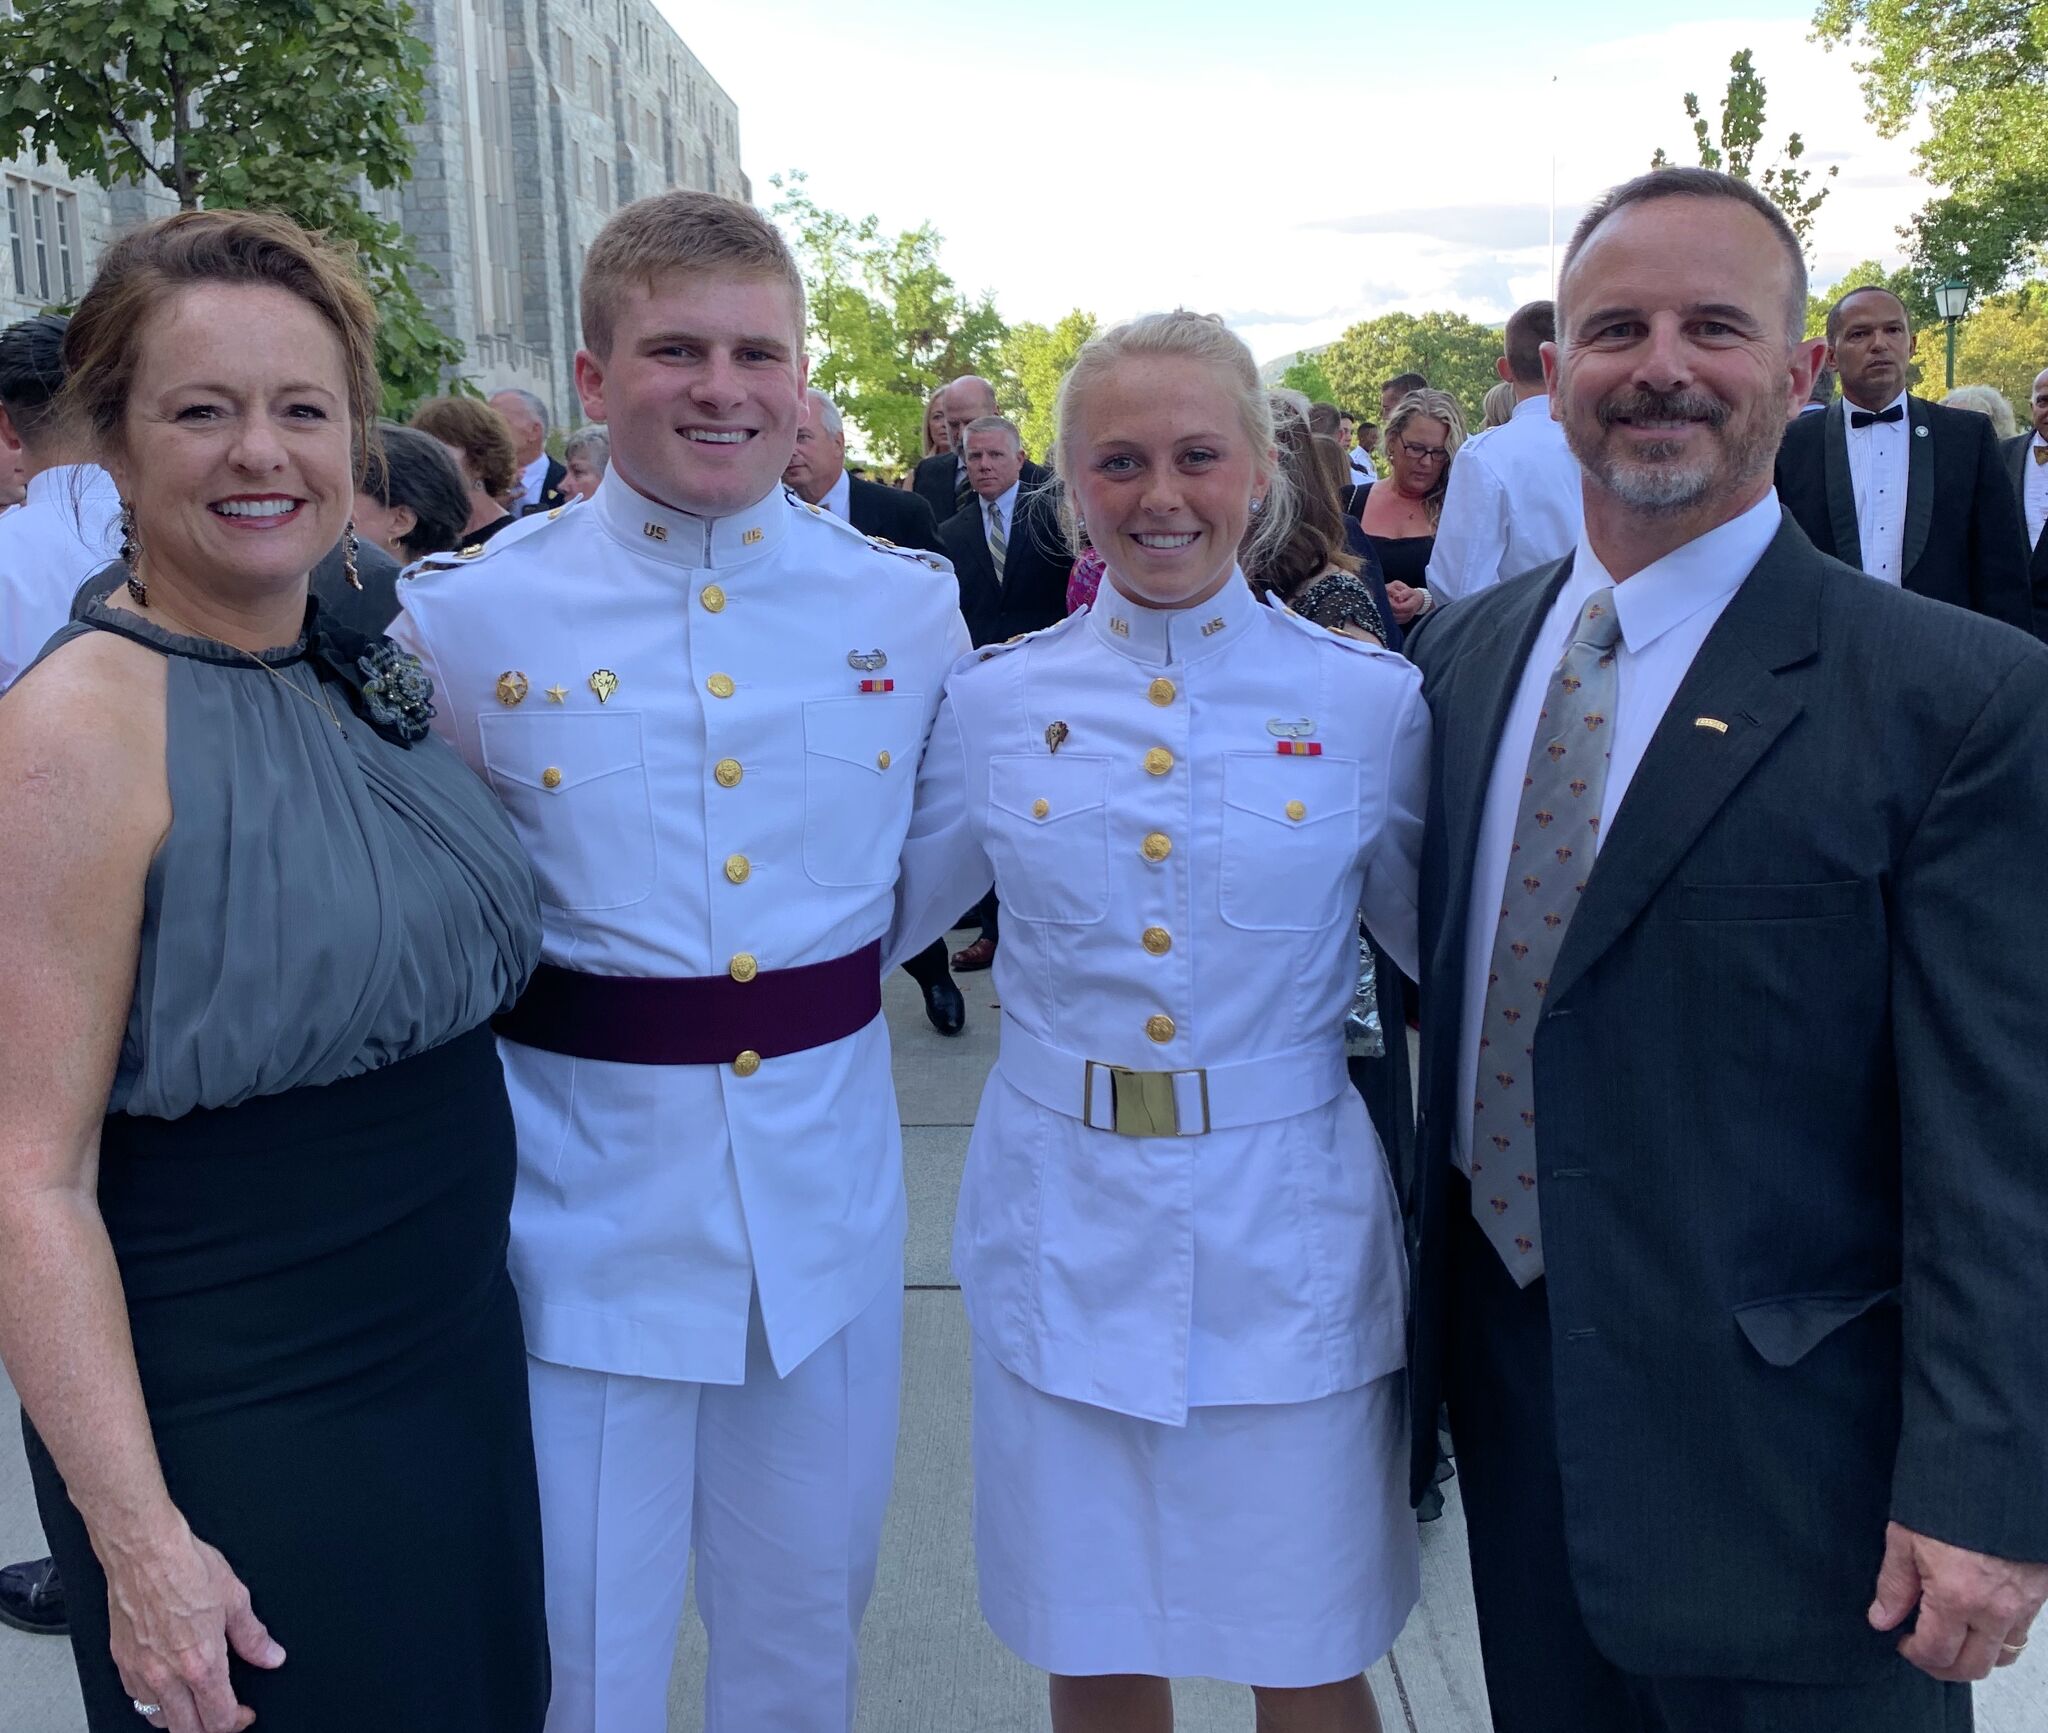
671	711
63	533
1181	879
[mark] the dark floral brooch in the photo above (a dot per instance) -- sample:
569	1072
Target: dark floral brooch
386	686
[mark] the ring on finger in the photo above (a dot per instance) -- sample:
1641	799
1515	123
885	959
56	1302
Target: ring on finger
146	1709
2015	1648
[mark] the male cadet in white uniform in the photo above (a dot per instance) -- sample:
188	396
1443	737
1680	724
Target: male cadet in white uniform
703	703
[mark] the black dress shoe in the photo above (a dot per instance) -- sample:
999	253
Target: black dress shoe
944	1006
32	1598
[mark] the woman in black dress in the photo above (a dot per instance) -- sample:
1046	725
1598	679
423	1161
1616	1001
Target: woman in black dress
255	1152
1399	514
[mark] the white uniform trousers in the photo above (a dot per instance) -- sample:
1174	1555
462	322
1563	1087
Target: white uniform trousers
780	1482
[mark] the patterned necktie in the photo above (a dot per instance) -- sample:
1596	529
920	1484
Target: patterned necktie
962	493
998	547
1555	834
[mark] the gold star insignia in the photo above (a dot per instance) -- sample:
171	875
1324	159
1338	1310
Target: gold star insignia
558	694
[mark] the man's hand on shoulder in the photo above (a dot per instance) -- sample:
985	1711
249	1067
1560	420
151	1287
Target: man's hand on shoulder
1975	1610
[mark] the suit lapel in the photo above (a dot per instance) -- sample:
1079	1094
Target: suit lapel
2016	461
1919	485
1689	771
1494	659
1841	488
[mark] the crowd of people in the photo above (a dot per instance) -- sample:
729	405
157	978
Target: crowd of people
446	1114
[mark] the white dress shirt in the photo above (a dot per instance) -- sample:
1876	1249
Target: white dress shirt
533	479
838	499
2035	489
1878	470
1513	504
1667	609
63	533
1006	504
1362	467
654	1202
1178	894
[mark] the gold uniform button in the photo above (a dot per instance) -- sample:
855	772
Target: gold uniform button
1156	847
1039	808
1296	811
1160	692
551	777
738	868
713	598
1158	761
719	685
1159	1028
743	968
727	771
881	761
747	1063
1157	940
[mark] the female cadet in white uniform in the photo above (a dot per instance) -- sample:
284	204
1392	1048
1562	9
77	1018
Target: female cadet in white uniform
1178	1241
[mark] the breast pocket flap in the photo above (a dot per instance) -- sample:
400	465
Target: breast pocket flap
873	732
1784	1331
1292	793
554	753
1048	788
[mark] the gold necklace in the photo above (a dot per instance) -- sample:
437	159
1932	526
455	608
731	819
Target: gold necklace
291	686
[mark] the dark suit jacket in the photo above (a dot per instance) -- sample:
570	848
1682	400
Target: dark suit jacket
892	514
2017	463
551	488
1960	544
1033	592
933	482
1793	1120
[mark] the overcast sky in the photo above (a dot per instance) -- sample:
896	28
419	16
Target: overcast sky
1291	164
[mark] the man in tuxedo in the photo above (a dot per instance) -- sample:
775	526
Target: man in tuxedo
817	476
2026	458
1905	489
941	479
1733	1173
540	476
1013	562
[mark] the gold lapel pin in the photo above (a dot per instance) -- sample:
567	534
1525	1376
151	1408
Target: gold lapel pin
604	683
558	694
1713	722
512	688
1055	736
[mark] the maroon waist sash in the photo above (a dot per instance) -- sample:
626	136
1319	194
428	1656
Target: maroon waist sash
696	1020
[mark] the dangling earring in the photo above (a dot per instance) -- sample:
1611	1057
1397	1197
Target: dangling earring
131	554
349	544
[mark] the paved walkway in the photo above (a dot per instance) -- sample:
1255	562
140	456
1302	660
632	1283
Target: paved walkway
930	1664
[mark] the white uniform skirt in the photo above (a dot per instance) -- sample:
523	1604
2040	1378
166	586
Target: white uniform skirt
1260	1545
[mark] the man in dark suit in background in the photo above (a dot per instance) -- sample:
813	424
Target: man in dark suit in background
941	479
2026	460
1907	490
1012	562
817	476
1733	1175
540	474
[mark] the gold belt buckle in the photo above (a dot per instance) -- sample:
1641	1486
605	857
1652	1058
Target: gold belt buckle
1142	1103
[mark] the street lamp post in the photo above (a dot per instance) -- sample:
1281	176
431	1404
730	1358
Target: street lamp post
1952	301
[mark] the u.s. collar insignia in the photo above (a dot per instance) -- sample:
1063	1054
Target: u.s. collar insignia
867	661
1284	730
1122	628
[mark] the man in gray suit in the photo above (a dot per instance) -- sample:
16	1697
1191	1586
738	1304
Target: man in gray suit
1733	1176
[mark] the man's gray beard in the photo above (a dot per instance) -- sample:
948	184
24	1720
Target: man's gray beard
1664	489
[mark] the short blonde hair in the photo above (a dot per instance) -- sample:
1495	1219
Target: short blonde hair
678	231
1181	336
1498	404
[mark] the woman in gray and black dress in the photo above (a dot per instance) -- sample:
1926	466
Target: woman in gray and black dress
255	1153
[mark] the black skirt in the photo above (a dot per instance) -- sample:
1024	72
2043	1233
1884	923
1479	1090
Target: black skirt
331	1355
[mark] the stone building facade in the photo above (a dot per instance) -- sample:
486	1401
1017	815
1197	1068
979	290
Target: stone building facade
542	118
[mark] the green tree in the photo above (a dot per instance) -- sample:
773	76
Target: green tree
2004	342
890	324
1034	359
1867	275
1980	69
1305	374
280	104
1452	352
1785	183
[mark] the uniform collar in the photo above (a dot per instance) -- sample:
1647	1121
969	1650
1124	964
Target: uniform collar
1535	408
1166	635
679	539
68	481
1708	569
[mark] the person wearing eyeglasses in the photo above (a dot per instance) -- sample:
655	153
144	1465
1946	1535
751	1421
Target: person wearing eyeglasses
1399	513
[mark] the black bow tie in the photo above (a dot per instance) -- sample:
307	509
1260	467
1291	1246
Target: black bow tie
1864	417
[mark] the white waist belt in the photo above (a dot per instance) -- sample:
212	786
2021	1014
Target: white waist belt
1183	1103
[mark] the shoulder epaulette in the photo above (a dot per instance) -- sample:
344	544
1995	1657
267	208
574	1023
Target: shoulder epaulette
989	652
881	544
470	552
1323	634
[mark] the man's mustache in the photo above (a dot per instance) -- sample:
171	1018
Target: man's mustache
1663	406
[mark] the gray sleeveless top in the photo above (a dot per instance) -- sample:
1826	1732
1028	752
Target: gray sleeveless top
322	906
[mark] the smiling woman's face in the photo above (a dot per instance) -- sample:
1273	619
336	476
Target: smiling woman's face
236	452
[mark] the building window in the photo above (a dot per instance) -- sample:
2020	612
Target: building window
66	222
565	60
597	93
604	185
17	232
39	214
